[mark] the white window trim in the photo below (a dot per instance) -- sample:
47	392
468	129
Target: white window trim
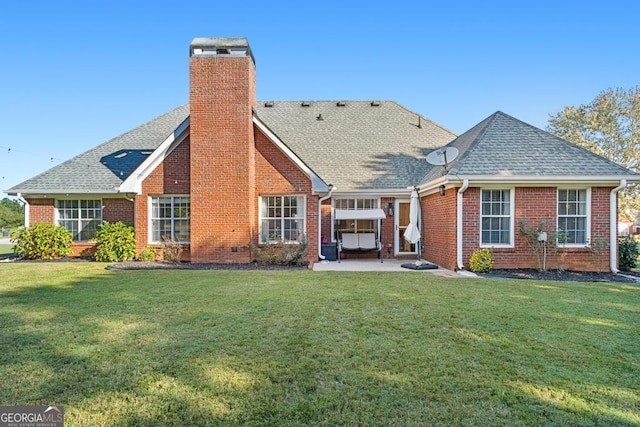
57	214
512	210
150	217
356	198
303	216
587	236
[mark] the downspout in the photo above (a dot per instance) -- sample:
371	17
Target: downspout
613	225
459	211
26	208
331	188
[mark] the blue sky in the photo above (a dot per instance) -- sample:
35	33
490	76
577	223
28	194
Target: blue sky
77	73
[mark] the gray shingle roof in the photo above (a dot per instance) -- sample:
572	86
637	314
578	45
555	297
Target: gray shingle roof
506	147
102	169
358	145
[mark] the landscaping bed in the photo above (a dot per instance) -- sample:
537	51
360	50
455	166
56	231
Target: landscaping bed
564	275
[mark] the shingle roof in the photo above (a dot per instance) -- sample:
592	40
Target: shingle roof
504	146
356	146
102	169
359	145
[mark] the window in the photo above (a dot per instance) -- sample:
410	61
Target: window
282	219
573	219
80	217
170	219
355	225
496	224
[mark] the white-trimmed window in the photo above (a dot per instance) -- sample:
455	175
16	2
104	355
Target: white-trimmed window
355	225
496	222
282	219
573	215
170	219
80	217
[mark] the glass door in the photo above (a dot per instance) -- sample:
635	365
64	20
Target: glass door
402	247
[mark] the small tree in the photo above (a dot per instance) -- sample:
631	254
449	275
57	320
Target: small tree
115	242
42	241
598	247
541	240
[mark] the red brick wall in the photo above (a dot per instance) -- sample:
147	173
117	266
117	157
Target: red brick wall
41	210
439	219
388	227
223	198
114	210
172	177
276	174
536	204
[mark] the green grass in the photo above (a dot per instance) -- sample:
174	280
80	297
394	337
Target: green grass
301	348
5	251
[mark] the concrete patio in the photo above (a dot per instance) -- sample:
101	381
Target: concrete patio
390	264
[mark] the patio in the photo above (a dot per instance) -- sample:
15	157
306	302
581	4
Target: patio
388	265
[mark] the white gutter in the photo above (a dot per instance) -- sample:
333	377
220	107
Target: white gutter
538	180
613	225
26	209
331	188
459	211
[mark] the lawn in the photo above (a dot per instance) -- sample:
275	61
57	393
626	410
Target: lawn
183	348
6	250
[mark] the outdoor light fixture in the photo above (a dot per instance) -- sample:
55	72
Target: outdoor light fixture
442	190
390	208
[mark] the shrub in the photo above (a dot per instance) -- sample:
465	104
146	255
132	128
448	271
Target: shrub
42	241
171	250
282	253
481	261
115	242
147	254
627	253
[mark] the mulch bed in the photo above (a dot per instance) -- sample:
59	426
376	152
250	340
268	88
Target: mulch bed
563	275
161	265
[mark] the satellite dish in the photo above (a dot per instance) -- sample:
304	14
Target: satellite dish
442	156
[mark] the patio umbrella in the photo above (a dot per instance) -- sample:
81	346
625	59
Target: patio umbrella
412	233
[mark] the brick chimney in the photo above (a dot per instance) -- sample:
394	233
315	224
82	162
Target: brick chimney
223	200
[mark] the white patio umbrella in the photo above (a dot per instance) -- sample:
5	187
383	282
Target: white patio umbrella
412	233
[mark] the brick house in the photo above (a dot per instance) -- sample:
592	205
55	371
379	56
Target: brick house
227	170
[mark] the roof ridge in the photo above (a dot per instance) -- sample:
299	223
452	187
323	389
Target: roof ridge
426	118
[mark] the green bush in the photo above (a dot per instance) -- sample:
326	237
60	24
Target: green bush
115	242
627	253
481	261
42	241
147	254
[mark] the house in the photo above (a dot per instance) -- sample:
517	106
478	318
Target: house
227	170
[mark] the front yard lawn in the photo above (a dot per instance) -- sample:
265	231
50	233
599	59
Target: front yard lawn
178	348
6	251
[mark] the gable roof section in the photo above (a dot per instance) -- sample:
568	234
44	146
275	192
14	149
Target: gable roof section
358	145
103	169
502	147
